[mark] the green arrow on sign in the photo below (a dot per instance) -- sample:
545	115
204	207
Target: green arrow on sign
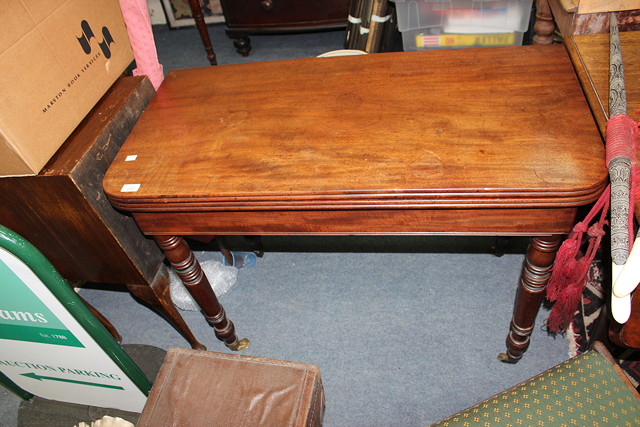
64	380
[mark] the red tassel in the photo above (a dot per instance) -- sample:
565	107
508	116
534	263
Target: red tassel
564	308
570	269
567	302
565	264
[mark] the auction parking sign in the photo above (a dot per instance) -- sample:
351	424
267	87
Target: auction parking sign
53	347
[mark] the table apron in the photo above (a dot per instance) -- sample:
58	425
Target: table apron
504	222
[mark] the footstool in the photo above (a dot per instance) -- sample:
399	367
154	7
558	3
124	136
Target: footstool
200	388
589	389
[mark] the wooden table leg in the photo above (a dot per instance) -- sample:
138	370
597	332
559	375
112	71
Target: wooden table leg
157	296
536	272
544	26
188	268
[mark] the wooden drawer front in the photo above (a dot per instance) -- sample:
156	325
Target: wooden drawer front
284	13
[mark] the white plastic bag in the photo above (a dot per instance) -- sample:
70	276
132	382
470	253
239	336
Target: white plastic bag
222	278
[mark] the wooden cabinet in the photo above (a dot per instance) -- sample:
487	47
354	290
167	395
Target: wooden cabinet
64	213
246	17
582	17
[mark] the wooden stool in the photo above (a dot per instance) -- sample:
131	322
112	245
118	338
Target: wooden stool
198	388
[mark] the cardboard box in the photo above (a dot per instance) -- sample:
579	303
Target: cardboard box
57	59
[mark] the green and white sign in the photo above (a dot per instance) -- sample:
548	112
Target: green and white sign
23	317
53	347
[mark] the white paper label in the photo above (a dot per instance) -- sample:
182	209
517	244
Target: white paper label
130	188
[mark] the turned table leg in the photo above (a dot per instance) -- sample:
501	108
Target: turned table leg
544	26
157	295
536	272
188	268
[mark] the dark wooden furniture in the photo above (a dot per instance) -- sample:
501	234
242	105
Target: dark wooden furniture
195	387
246	17
590	54
392	143
64	213
565	16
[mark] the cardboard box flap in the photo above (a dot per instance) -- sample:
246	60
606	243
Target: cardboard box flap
21	17
11	163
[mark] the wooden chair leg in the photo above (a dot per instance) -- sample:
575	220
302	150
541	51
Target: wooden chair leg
105	322
198	16
224	249
157	295
255	244
499	248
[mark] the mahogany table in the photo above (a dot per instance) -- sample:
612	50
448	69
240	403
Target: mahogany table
463	142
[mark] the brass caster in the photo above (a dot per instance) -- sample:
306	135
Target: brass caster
239	344
505	358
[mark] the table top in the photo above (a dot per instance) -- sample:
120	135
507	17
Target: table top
494	127
590	54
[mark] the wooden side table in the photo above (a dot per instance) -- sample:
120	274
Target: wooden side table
64	213
392	143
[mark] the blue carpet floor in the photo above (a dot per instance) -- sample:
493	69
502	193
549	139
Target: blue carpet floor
402	339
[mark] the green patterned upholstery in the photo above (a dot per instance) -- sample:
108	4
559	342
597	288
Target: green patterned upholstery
584	390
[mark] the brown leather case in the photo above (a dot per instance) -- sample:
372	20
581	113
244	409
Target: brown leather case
199	388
